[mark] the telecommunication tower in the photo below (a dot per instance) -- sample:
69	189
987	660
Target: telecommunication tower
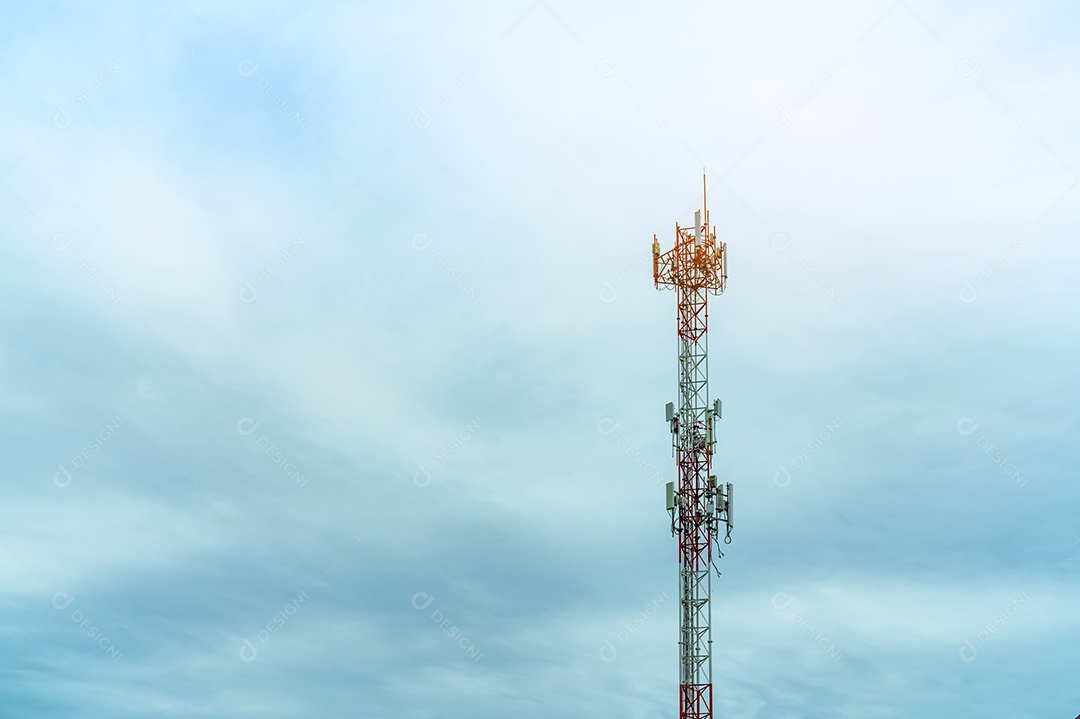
699	505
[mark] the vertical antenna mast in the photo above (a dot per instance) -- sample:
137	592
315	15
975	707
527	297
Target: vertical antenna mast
699	506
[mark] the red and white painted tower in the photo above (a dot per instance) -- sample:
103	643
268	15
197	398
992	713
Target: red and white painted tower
699	506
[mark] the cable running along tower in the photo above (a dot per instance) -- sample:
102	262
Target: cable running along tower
699	506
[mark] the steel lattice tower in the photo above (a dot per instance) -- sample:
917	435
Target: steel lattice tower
695	267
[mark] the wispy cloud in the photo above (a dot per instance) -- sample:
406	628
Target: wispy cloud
333	377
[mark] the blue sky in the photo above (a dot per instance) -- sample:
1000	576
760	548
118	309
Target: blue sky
333	375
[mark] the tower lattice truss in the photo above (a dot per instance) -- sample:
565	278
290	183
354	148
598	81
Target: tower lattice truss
699	505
